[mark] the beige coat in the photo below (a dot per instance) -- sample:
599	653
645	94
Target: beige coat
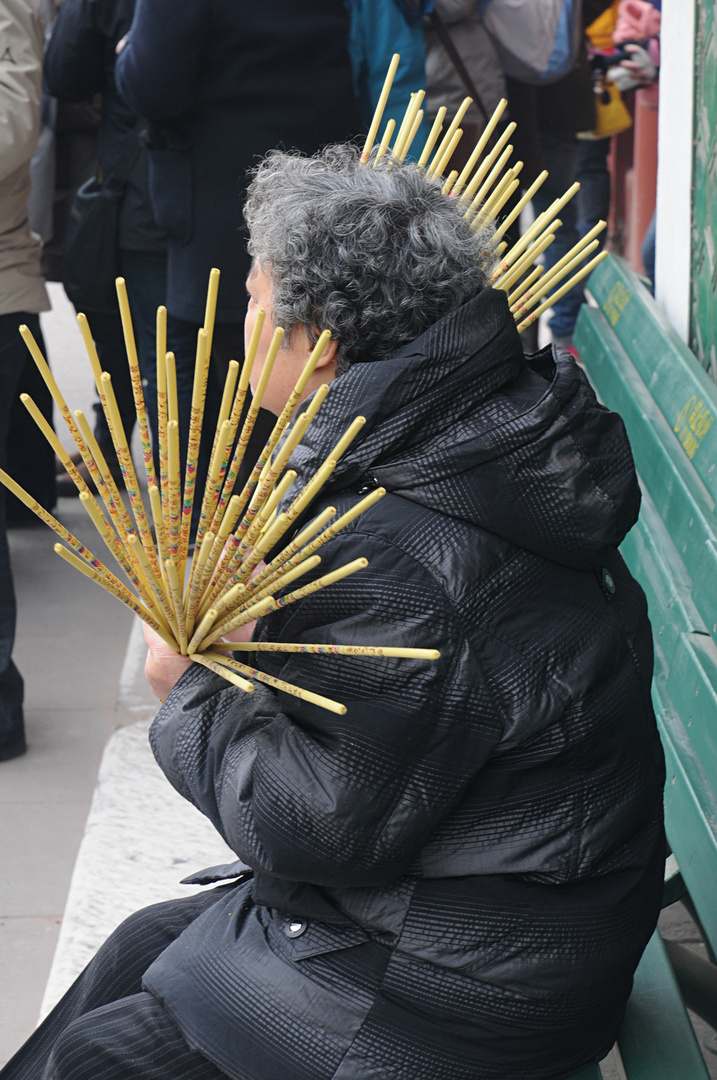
21	285
444	87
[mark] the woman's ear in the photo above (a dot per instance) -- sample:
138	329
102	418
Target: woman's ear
328	356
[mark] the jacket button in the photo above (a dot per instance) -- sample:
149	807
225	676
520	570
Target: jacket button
369	484
295	928
608	580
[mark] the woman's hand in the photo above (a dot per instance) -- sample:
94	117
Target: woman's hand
163	666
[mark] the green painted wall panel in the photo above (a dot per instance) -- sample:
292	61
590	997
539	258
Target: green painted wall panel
703	321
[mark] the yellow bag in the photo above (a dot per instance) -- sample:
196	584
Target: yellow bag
611	114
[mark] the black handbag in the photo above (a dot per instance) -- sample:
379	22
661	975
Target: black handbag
90	260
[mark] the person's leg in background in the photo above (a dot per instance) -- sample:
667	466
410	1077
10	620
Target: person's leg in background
561	160
594	195
30	458
12	359
648	252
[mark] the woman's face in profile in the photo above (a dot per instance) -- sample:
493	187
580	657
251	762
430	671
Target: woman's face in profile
292	356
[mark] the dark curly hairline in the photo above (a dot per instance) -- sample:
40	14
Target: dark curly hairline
376	255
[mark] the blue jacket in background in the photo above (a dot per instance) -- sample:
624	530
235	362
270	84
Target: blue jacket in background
378	30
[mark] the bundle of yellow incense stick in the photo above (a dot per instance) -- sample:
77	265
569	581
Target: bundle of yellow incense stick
195	603
483	187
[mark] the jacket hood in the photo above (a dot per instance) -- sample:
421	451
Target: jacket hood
462	422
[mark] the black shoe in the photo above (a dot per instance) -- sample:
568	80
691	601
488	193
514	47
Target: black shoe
12	749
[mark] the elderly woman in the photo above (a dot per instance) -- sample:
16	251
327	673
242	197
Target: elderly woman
456	879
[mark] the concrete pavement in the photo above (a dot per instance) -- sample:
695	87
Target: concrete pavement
81	654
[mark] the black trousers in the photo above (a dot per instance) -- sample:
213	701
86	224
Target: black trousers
106	1027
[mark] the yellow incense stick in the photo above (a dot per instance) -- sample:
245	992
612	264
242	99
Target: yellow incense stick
239	399
433	136
210	309
480	146
446	189
450	150
296	544
490	212
162	405
199	390
328	650
193	591
522	203
161	605
263	607
229	520
175	593
385	141
412	135
486	165
561	291
44	515
172	399
173	486
404	122
498	197
224	618
525	285
407	128
155	502
541	223
54	442
488	182
380	106
528	256
119	439
224	671
135	377
534	252
116	548
443	146
567	266
114	588
278	684
172	414
49	381
107	485
585	243
264	471
247	429
300	549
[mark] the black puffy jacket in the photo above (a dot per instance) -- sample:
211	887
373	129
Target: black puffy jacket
455	880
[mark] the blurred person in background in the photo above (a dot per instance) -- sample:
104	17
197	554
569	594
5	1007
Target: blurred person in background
79	64
22	294
459	22
30	458
380	28
549	118
221	83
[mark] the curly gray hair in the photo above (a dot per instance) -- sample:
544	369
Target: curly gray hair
376	255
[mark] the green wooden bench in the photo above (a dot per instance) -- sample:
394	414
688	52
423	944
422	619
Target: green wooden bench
640	368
